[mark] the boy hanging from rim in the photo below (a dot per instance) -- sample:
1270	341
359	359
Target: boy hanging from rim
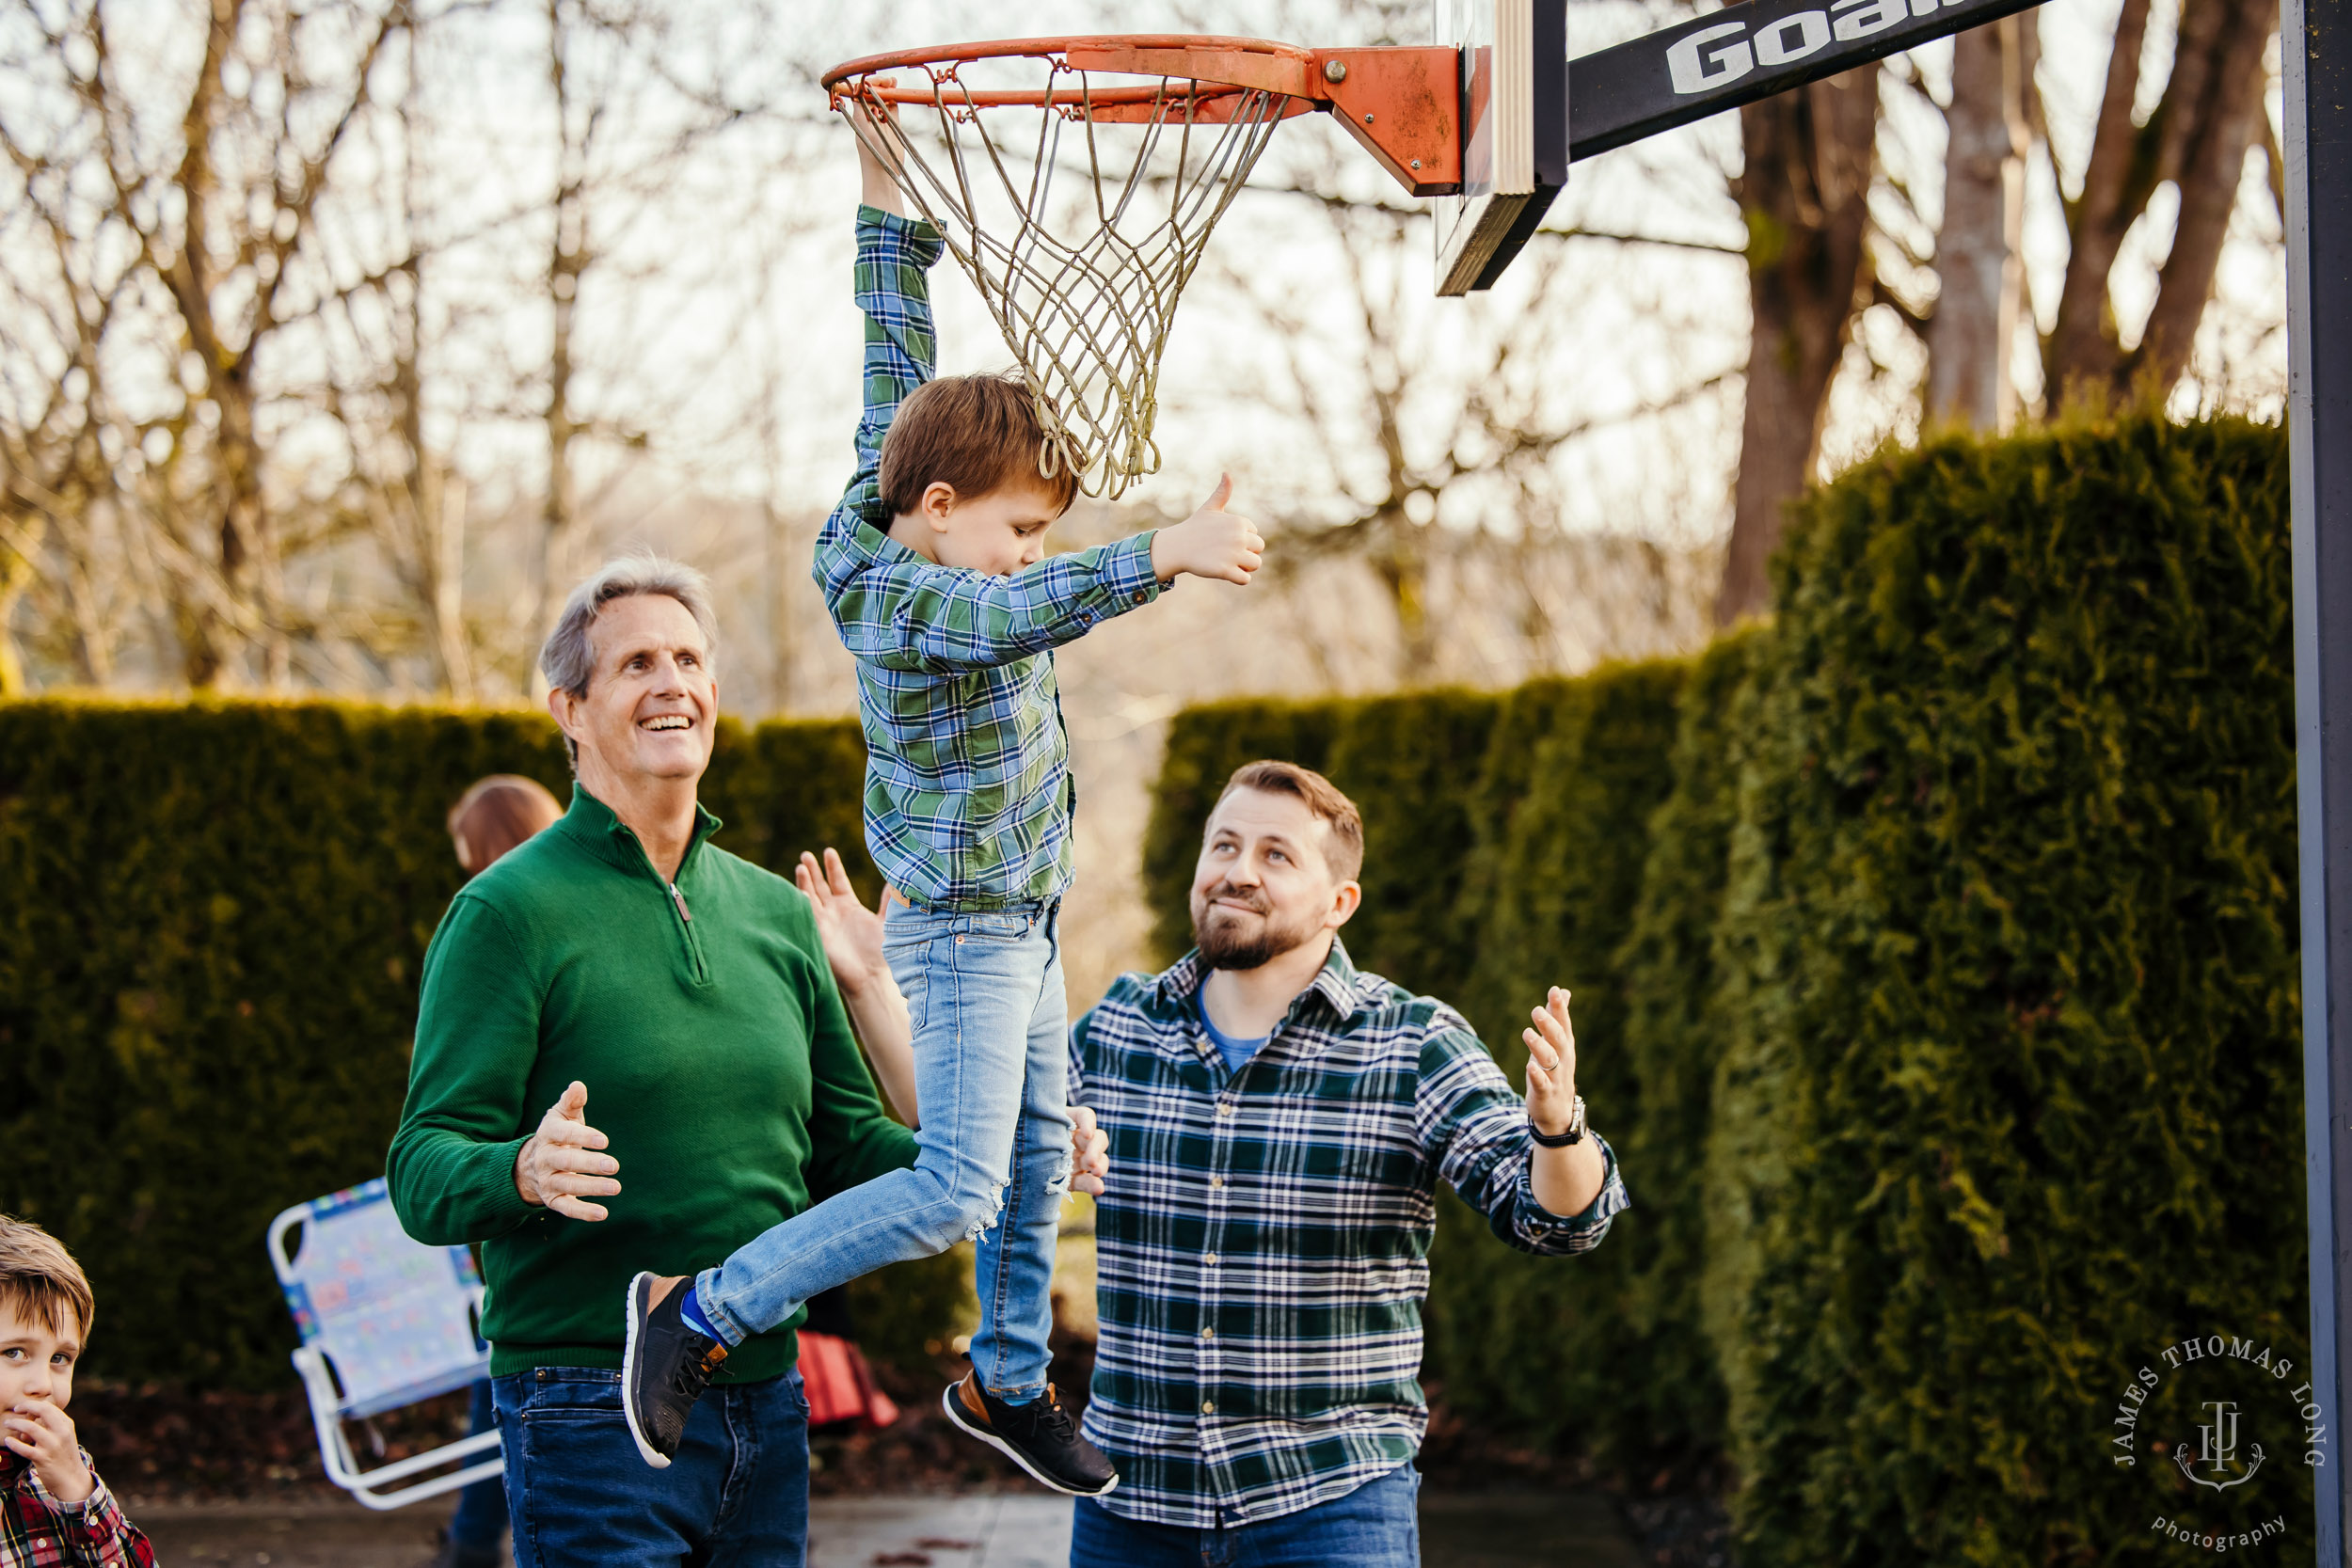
934	569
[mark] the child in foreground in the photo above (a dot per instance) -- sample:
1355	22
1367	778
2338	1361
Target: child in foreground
52	1507
934	569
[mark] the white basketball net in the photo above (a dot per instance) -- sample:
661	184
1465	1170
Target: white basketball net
1083	288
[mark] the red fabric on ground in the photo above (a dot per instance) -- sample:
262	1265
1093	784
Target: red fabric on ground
841	1386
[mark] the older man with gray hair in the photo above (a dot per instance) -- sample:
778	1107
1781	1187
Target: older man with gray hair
619	953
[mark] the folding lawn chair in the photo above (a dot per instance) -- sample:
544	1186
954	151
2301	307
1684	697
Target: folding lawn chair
386	1322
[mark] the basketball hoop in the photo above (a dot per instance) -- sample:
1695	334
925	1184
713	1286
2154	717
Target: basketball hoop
1084	287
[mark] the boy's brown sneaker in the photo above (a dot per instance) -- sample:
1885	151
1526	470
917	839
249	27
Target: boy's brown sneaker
664	1368
1039	1437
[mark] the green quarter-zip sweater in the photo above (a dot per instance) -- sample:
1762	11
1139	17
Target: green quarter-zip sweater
717	1059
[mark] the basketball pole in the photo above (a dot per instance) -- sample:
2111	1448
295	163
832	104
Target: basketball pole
2316	61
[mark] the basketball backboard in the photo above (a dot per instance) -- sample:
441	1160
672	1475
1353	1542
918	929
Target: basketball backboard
1513	129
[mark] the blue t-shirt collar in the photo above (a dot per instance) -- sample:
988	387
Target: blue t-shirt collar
1235	1050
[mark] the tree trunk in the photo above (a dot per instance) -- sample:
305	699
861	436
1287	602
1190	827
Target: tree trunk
567	261
1400	558
781	568
249	567
206	636
2210	115
444	540
213	653
2082	346
20	551
425	506
94	649
559	508
1970	337
1805	194
2213	116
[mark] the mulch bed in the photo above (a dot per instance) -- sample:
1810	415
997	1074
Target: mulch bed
1678	1514
162	1444
158	1445
921	1451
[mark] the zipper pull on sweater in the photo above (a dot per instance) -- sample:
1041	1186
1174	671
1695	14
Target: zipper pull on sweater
683	913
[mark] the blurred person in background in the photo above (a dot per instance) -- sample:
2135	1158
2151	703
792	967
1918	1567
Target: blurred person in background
492	817
496	813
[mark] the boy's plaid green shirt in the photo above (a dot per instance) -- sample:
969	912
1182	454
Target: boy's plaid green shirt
968	794
1262	1251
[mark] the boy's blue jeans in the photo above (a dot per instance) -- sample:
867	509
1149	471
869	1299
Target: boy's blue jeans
1376	1525
992	1077
735	1496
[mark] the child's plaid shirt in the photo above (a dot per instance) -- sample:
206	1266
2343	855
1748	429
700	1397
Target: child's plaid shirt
39	1531
1262	1252
968	796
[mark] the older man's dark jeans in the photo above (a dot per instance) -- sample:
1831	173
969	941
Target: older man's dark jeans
736	1496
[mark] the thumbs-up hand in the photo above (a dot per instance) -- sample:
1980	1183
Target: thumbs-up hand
1211	542
559	1166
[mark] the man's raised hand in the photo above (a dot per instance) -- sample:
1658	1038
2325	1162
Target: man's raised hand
559	1166
1551	1065
853	934
1090	1151
1211	542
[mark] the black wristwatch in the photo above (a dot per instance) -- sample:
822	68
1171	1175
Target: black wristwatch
1575	1135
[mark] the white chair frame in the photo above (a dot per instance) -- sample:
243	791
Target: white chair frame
327	1413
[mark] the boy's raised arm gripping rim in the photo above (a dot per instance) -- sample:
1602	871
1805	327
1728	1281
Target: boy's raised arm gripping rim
901	352
892	607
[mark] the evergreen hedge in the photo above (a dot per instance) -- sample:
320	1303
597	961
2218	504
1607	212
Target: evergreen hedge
2014	1036
1935	951
1675	1024
211	920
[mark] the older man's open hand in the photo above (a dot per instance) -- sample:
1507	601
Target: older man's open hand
559	1167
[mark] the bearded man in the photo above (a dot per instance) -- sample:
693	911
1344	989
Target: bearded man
1279	1123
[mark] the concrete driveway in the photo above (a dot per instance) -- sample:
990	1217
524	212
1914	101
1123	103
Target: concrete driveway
1010	1530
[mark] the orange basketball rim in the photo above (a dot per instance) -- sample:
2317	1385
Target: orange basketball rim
1402	104
984	139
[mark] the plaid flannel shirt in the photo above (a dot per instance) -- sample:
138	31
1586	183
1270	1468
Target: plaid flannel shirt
39	1531
968	797
1263	1249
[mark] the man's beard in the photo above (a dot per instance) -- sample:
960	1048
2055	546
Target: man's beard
1221	943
